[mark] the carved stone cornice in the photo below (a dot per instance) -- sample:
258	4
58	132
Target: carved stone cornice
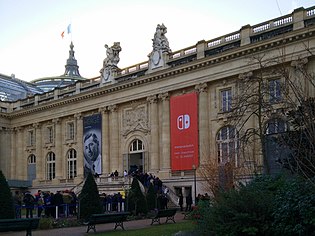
202	88
37	125
245	76
300	63
78	116
164	96
113	108
56	121
152	99
103	110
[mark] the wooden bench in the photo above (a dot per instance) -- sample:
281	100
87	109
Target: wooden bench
168	213
118	218
19	224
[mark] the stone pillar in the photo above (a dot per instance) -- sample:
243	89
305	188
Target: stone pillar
245	35
298	18
5	151
201	48
58	150
105	142
204	143
13	161
165	131
19	154
79	138
40	159
154	121
113	140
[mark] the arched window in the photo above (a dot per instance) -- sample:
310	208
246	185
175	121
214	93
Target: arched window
227	145
72	163
136	146
31	159
51	166
31	167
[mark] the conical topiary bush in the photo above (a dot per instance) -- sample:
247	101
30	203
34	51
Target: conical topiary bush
89	199
6	199
137	202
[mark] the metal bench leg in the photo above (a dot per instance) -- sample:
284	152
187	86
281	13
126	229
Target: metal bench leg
91	227
170	218
156	220
121	224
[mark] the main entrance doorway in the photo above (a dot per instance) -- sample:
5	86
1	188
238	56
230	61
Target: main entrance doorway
136	159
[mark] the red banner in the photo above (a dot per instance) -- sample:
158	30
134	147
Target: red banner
184	132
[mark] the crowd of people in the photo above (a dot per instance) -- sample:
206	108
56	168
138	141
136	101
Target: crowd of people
64	203
61	203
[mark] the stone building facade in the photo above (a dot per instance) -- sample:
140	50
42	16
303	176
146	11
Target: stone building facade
42	136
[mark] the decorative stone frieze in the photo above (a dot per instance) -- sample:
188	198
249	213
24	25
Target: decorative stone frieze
135	119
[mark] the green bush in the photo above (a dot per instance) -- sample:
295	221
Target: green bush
45	223
265	206
294	212
6	200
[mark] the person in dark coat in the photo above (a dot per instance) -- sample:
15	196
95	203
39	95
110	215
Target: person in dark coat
29	202
181	201
188	202
58	201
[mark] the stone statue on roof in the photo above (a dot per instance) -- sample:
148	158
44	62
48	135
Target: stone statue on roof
161	48
110	62
112	55
160	41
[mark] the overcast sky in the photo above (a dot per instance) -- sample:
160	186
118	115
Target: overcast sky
31	46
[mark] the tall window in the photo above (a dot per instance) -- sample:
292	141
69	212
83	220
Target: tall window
31	138
51	166
72	163
227	144
275	152
136	146
274	90
226	100
50	134
70	130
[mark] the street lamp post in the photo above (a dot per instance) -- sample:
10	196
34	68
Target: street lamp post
195	182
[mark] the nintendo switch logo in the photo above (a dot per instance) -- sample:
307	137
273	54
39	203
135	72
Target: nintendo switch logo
183	122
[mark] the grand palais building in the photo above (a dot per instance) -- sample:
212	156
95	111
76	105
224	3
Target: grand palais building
170	116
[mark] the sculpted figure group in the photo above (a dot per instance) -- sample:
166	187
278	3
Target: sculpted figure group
160	41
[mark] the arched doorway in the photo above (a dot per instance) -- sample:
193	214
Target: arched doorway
136	159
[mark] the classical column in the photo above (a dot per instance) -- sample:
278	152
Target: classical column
13	161
105	141
154	147
58	148
204	144
165	130
113	141
5	152
19	154
79	138
40	159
